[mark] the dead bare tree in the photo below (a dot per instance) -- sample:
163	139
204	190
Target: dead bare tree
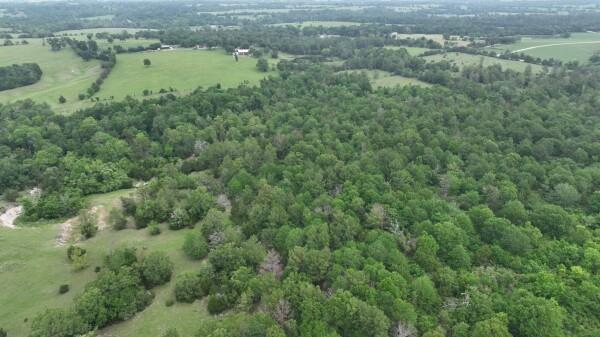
272	264
402	329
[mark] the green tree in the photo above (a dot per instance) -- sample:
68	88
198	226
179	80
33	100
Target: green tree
195	246
58	323
425	294
88	224
262	65
147	62
497	326
156	269
188	288
552	220
531	316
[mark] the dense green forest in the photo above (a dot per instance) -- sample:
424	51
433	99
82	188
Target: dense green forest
316	204
354	211
18	75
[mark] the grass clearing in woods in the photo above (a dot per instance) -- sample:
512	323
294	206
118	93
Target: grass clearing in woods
462	60
30	259
380	78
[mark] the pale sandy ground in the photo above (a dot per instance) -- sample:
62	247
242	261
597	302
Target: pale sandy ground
7	219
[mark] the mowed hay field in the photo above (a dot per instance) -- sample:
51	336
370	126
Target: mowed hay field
578	47
181	69
462	60
64	73
33	266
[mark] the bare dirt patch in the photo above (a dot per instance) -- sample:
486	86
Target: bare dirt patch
7	219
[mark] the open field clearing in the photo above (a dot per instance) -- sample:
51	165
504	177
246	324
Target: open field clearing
99	18
380	78
462	60
64	73
182	69
439	38
414	51
578	47
320	24
114	30
127	43
31	259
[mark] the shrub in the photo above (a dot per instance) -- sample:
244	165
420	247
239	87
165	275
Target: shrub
169	302
120	257
188	288
179	219
64	288
74	251
62	99
156	269
88	224
195	246
129	205
3	333
153	228
117	219
217	304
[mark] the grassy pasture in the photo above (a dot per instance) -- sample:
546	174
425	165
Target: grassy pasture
462	60
182	69
380	78
64	73
578	47
32	267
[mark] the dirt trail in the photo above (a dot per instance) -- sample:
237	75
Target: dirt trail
67	229
7	219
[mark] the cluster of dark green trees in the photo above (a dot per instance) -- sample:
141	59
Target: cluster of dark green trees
322	207
118	293
19	75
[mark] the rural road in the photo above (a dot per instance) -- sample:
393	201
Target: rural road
554	44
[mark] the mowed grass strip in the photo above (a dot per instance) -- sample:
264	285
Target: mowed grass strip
462	60
578	47
64	73
181	69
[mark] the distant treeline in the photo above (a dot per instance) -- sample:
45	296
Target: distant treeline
19	75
